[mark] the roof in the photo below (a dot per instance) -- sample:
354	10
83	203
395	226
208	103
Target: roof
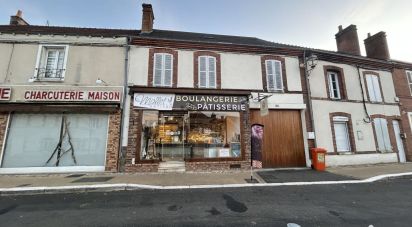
210	38
75	31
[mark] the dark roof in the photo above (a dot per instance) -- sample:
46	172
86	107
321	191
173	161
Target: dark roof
210	38
74	31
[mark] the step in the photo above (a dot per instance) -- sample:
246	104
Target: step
171	166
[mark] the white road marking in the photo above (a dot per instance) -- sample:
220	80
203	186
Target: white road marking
120	187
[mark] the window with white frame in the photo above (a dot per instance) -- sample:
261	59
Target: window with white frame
374	89
51	62
163	70
334	88
207	72
274	75
409	77
342	141
382	135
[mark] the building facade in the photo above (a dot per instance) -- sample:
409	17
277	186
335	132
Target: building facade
64	90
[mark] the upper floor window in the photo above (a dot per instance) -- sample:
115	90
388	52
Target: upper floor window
334	87
207	72
163	69
374	88
51	62
274	75
382	134
409	77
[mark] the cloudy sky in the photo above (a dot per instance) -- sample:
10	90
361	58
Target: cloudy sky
306	23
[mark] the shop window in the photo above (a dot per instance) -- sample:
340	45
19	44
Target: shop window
274	75
163	70
374	89
382	135
207	72
51	62
174	135
409	78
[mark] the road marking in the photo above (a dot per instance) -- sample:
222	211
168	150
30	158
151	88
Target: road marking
121	187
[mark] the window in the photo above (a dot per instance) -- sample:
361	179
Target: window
274	75
382	135
51	62
334	88
409	77
374	89
340	125
207	72
163	70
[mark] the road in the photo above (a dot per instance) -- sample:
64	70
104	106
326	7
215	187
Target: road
384	203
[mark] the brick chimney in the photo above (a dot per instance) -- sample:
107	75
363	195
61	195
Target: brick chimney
18	19
147	18
376	46
347	40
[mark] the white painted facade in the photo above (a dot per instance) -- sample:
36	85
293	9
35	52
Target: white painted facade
362	130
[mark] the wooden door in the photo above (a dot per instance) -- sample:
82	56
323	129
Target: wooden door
283	138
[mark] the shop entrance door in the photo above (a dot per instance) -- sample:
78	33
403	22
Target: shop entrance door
172	133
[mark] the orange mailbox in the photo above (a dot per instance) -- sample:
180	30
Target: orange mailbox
318	158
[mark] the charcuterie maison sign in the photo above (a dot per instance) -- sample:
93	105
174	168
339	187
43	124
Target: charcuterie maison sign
72	95
190	102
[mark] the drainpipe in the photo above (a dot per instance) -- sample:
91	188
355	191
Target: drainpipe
121	156
309	97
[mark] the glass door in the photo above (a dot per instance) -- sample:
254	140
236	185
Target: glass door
172	135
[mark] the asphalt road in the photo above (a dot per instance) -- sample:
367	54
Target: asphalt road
385	203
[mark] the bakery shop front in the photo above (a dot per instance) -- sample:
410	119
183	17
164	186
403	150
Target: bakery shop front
201	131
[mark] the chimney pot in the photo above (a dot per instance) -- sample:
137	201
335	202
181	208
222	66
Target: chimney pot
377	46
147	18
347	40
18	19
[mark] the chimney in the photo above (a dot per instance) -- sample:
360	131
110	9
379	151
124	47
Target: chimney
18	19
347	40
147	18
376	46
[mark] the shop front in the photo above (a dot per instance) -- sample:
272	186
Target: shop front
203	131
64	130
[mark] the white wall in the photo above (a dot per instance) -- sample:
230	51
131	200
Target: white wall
293	74
241	71
185	69
138	66
360	159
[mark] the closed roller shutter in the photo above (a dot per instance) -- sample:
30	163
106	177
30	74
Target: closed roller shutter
32	140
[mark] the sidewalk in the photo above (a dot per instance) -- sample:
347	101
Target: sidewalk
53	183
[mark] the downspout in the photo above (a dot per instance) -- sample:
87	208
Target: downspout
368	120
121	156
309	97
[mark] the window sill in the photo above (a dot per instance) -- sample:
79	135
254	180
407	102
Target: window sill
47	80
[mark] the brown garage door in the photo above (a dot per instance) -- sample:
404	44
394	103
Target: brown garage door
283	138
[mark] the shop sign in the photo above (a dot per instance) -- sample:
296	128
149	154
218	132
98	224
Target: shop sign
5	93
154	101
72	96
190	102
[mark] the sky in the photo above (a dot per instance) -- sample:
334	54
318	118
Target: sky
305	23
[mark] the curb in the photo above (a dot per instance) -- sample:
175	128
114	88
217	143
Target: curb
130	187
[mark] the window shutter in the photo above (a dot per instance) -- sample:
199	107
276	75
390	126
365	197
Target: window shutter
371	92
377	89
158	65
278	75
202	72
386	139
168	59
409	77
270	76
382	134
212	72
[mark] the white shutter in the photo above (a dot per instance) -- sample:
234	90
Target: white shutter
270	76
382	134
168	64
212	72
371	92
376	88
278	75
409	77
342	136
202	72
158	66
